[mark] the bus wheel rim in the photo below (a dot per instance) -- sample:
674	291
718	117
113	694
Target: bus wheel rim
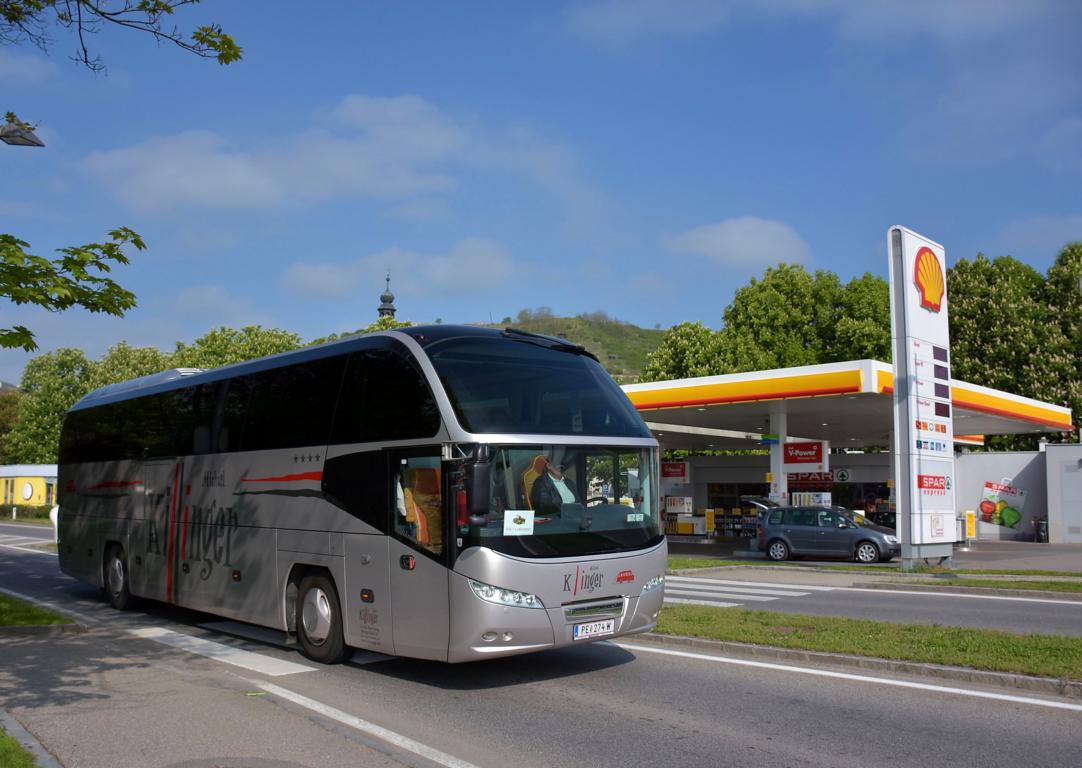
316	615
116	576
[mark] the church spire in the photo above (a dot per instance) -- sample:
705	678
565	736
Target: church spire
386	307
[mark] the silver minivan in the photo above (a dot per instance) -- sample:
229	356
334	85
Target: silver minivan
794	531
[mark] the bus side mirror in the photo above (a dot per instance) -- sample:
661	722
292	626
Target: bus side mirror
479	486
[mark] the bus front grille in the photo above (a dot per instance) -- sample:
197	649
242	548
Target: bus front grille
611	608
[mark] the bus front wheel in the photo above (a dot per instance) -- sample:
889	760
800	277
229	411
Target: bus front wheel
319	620
117	589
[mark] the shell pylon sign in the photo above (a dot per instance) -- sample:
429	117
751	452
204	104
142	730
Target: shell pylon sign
923	424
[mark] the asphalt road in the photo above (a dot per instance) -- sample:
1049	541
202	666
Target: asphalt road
115	697
840	594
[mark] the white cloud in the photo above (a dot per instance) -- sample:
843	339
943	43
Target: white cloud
1038	239
402	149
745	241
192	168
26	71
474	265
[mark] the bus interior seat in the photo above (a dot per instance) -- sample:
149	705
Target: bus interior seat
426	480
530	475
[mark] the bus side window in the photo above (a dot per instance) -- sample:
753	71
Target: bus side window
419	502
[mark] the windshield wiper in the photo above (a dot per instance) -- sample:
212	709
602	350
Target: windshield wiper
550	342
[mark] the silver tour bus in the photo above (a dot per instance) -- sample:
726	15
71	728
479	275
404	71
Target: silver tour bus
439	492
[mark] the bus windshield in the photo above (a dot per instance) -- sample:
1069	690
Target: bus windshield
509	386
565	501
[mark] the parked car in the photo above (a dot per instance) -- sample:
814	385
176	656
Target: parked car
785	532
759	503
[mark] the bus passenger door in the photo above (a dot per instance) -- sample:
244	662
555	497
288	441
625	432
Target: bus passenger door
419	595
148	560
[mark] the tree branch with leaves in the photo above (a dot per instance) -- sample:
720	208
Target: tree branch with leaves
77	278
26	21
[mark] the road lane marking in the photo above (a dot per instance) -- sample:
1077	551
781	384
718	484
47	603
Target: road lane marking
711	593
711	603
856	678
256	662
384	734
31	550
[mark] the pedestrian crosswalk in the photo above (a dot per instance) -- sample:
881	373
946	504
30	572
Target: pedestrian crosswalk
723	593
22	542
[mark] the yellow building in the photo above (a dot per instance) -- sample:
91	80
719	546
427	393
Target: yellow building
31	484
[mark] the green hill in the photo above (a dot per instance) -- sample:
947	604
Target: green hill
621	347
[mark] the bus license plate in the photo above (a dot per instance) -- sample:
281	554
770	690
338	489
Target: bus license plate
594	629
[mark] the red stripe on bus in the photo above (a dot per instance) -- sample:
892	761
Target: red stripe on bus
169	548
115	484
184	535
317	476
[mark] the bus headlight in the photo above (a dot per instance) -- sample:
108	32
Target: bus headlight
653	584
508	597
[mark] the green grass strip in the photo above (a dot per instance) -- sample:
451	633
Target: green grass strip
15	613
1041	655
12	754
1047	586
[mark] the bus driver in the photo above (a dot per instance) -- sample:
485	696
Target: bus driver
550	491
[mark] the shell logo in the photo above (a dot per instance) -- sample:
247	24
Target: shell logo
928	275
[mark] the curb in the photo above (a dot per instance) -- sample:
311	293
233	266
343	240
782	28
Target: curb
26	739
1047	685
947	588
41	630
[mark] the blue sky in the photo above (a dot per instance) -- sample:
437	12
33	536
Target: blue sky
641	157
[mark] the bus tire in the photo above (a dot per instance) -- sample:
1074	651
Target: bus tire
319	620
116	580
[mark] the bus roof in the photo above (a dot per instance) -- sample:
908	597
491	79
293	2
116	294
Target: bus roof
424	335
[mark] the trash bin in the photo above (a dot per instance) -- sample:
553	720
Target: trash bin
1040	529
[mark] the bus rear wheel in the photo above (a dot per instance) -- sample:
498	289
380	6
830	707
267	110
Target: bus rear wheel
117	589
319	620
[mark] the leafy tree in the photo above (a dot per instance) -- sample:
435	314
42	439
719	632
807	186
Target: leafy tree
9	407
1063	294
1004	333
123	362
787	318
225	346
51	384
862	328
688	349
78	278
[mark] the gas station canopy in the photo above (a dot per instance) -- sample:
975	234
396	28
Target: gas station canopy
849	404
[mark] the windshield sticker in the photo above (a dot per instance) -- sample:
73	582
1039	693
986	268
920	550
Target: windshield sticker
518	522
634	517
